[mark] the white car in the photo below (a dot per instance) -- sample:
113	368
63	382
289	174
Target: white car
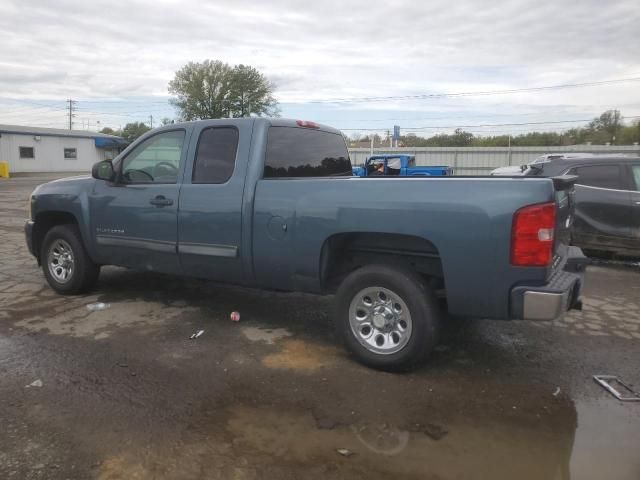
510	170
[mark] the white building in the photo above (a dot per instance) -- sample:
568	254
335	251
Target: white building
33	149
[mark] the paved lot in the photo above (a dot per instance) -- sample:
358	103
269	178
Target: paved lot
125	394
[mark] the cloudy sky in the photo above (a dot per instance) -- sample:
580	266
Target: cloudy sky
116	59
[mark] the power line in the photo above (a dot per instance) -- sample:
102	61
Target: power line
479	93
30	102
481	125
446	117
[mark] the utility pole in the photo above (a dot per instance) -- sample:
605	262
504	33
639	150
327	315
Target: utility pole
151	121
71	114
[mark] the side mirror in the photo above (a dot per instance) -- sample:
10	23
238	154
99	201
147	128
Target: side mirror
103	171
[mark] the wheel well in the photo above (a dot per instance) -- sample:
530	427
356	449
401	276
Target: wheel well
343	253
44	222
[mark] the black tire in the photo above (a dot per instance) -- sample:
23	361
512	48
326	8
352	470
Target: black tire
83	276
419	299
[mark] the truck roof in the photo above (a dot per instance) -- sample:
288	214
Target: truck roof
272	121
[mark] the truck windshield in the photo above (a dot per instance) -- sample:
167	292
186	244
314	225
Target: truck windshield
303	152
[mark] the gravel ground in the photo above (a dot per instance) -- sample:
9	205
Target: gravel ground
124	393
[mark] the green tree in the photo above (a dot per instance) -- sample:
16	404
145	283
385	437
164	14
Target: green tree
251	93
629	134
202	90
133	130
108	131
608	122
213	89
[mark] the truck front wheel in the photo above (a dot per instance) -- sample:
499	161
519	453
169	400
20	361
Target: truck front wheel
386	316
65	262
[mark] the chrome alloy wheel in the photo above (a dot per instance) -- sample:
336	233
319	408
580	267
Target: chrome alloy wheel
380	320
60	261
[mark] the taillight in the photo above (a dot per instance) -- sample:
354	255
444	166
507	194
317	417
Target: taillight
532	235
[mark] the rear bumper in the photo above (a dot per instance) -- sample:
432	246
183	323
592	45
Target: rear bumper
28	233
552	300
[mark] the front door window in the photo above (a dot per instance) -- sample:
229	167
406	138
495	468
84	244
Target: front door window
156	160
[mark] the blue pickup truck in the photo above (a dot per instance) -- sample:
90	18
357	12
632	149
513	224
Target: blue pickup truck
272	203
398	165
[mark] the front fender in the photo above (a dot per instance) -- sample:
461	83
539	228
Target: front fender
63	201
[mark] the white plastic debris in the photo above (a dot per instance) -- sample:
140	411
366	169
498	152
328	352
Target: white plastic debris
37	383
197	334
557	392
344	452
94	307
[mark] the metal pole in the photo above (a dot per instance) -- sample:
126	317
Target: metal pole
71	114
371	151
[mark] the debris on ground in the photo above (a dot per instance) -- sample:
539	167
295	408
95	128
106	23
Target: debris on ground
435	432
37	383
94	307
617	388
344	452
235	316
557	392
197	334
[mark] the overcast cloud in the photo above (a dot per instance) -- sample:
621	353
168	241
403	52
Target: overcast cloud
117	58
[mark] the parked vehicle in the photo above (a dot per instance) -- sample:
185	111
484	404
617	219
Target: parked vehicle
607	198
271	203
522	169
398	165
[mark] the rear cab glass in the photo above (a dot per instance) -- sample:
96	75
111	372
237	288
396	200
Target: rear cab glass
303	152
215	155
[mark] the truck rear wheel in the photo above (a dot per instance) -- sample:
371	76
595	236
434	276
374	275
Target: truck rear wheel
386	316
65	262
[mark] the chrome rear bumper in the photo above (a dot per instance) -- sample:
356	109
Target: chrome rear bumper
552	300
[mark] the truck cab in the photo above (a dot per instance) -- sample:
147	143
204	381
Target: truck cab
399	165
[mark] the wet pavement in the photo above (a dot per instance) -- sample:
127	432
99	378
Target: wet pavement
124	392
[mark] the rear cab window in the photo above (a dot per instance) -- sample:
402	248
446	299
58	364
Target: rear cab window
601	176
215	155
304	152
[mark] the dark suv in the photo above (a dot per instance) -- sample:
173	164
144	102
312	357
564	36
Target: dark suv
607	197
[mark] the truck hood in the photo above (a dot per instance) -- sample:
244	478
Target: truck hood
66	185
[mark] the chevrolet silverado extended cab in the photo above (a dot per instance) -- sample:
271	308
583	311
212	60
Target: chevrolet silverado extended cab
272	203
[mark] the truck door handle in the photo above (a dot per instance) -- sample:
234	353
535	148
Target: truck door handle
161	201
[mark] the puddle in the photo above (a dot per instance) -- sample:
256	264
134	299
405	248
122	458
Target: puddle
245	441
390	451
607	444
77	321
267	335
